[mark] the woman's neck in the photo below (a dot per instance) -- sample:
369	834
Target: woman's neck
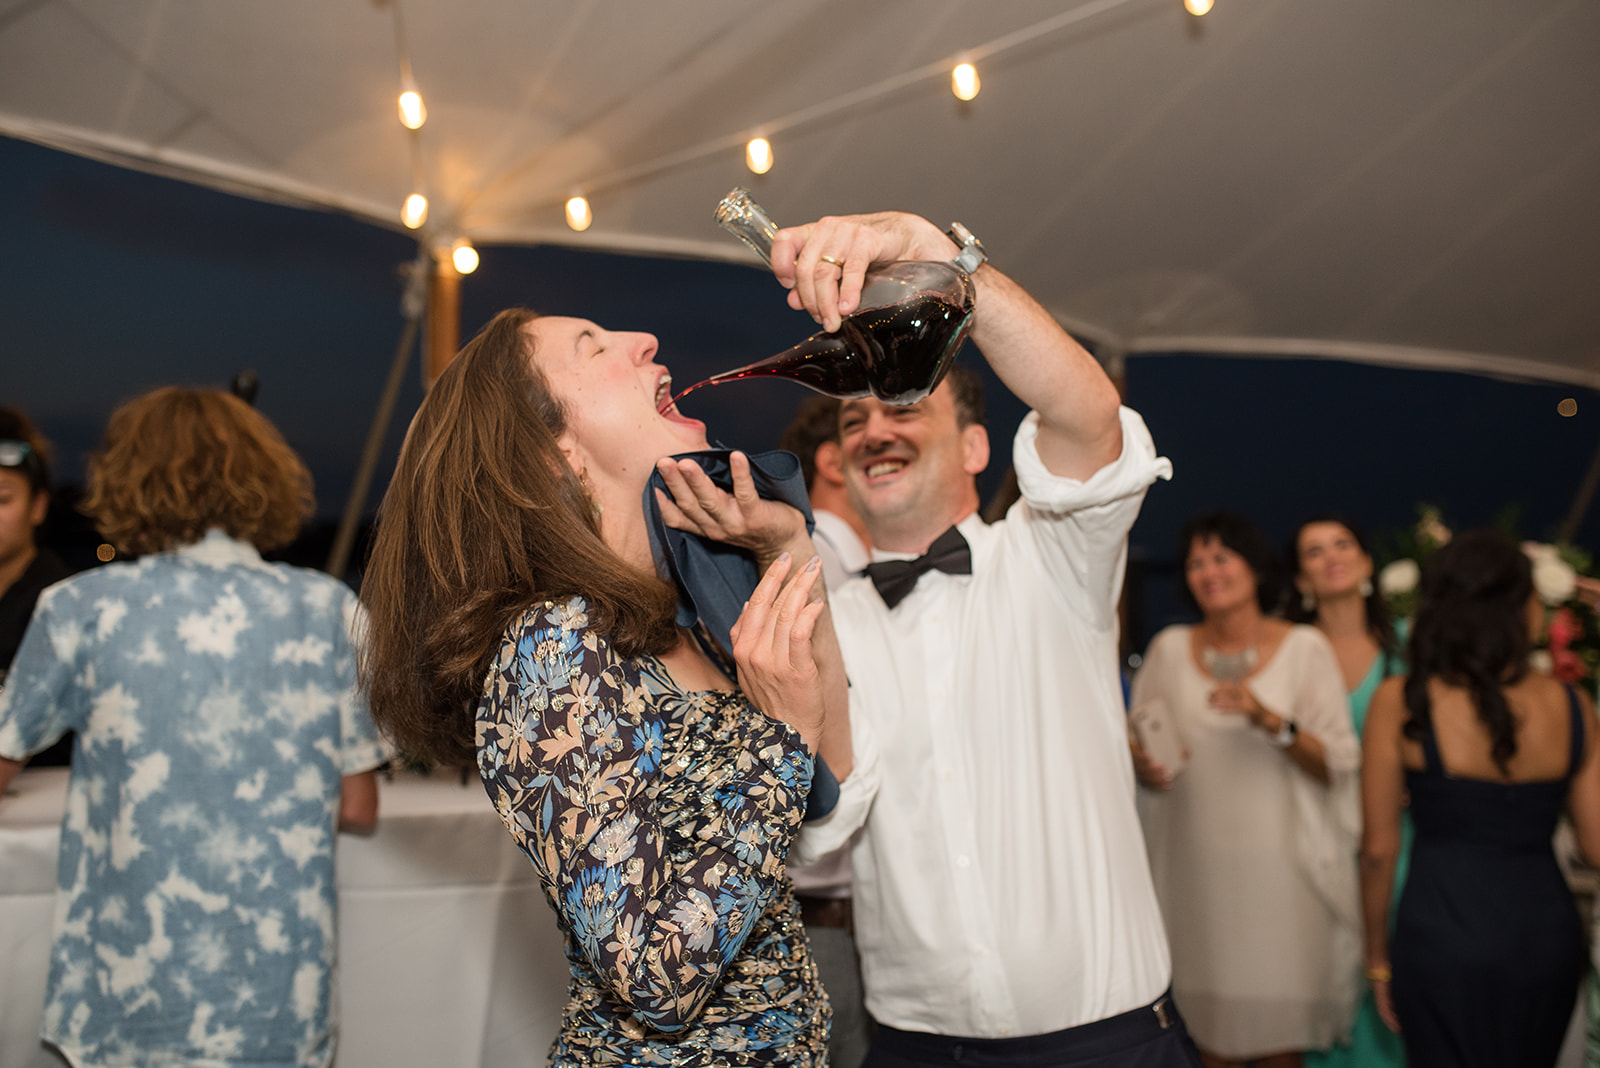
1234	629
1343	617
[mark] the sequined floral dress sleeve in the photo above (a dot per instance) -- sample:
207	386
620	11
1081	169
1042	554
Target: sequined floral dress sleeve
658	821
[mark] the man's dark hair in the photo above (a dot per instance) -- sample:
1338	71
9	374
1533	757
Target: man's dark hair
1239	535
816	421
966	389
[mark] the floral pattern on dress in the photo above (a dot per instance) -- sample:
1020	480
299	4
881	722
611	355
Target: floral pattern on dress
658	821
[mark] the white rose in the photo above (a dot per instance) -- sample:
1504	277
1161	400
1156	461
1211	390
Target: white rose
1399	577
1538	550
1555	580
1540	660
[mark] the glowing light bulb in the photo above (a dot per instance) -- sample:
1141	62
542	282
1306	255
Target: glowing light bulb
578	216
464	256
1197	7
415	213
758	155
413	113
964	81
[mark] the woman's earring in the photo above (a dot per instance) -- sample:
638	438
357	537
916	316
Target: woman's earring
1366	587
1308	600
594	503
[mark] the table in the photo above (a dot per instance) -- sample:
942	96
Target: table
448	954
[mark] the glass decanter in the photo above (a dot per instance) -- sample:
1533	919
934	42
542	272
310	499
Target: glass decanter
895	346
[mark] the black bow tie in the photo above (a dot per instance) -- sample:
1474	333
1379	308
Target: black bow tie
895	579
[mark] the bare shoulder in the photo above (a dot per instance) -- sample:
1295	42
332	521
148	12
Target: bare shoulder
1388	706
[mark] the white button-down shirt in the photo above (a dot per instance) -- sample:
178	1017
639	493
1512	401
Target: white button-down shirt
1001	880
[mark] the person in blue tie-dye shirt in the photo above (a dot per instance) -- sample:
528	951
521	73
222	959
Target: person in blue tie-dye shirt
221	743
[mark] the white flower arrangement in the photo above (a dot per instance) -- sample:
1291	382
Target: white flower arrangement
1399	577
1554	579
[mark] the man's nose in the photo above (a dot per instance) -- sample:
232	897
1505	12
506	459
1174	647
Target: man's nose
878	427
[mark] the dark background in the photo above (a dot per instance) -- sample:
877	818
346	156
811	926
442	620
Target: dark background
116	282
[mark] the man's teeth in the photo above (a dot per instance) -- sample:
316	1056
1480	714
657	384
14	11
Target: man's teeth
664	394
884	467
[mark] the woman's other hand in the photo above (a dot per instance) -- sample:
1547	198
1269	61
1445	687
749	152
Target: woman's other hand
742	518
1383	996
1147	769
772	646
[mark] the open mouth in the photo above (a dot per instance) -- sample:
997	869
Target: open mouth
880	468
664	404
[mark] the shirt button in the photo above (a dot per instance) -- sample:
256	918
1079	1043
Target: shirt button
963	861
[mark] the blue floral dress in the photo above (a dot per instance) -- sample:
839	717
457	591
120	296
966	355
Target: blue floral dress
658	821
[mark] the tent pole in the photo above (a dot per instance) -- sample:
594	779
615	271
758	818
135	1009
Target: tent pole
1580	503
412	305
444	319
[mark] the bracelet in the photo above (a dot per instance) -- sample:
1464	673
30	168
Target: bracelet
1379	973
1286	734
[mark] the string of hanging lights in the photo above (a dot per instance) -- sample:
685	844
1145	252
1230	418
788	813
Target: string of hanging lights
965	84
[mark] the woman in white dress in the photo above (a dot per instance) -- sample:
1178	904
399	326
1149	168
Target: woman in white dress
1252	843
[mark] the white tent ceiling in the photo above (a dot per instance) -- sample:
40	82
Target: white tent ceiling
1401	181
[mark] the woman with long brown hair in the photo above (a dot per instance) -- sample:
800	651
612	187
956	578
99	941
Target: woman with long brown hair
1487	951
1334	592
519	623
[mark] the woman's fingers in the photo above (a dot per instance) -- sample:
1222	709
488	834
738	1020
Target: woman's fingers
1383	995
696	496
673	516
744	484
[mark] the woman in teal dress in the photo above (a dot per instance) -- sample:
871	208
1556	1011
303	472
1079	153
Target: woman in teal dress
1333	577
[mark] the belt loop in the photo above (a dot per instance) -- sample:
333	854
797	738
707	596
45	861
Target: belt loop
1160	1008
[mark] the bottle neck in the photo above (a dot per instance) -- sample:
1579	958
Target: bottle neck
745	219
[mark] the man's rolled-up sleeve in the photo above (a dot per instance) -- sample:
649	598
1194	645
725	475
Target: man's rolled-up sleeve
1080	527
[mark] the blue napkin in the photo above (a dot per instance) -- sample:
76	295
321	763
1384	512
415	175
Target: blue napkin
714	579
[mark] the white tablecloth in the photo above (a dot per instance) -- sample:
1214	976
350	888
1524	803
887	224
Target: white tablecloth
448	955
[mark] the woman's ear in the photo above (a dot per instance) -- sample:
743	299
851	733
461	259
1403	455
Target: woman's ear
572	453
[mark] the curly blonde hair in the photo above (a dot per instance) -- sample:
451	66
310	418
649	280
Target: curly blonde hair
177	462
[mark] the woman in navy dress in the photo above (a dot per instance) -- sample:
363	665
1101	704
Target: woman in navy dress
1488	951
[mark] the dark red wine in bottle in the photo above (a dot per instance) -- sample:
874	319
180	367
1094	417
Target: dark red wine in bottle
913	318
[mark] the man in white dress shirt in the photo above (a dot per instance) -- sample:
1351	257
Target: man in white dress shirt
1004	908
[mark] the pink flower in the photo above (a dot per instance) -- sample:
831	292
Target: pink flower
1568	666
1564	629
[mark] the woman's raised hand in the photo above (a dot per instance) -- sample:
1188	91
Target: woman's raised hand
772	646
742	518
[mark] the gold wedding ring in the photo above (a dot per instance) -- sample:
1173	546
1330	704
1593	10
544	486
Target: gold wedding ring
829	259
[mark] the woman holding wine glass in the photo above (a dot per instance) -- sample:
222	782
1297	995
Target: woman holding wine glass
655	779
1252	844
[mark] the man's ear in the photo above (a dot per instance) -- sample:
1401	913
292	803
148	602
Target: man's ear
974	449
829	462
39	508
